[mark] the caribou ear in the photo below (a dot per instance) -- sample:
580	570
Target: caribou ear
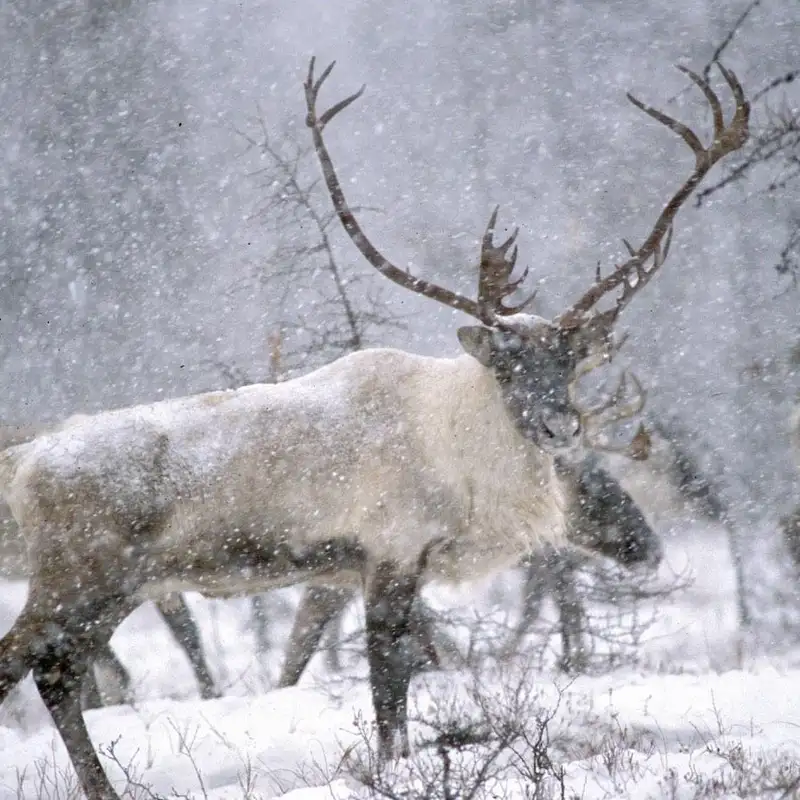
477	342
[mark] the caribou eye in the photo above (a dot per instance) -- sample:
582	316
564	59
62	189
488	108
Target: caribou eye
510	344
549	433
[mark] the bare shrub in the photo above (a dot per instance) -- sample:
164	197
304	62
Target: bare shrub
475	740
44	779
742	773
602	615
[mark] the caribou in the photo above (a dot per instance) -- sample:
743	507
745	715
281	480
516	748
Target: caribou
598	506
385	467
606	505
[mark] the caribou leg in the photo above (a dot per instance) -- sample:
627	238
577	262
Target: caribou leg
389	596
320	608
320	605
554	573
534	590
571	614
422	629
181	623
332	640
179	620
60	659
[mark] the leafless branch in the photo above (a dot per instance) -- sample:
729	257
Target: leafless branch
775	83
333	319
774	145
728	38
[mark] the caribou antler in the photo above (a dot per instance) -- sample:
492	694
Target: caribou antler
497	261
638	270
615	408
494	283
497	264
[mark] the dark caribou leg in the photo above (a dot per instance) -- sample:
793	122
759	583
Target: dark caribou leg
61	658
790	530
181	623
534	590
179	620
320	606
318	616
554	573
571	613
389	599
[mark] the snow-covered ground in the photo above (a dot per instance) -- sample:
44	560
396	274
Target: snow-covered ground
699	718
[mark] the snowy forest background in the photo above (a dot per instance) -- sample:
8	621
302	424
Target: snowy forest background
165	232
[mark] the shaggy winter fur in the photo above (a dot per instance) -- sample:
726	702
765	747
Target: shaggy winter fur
382	449
13	561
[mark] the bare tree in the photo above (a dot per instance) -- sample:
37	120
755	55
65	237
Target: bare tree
772	162
771	159
324	309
